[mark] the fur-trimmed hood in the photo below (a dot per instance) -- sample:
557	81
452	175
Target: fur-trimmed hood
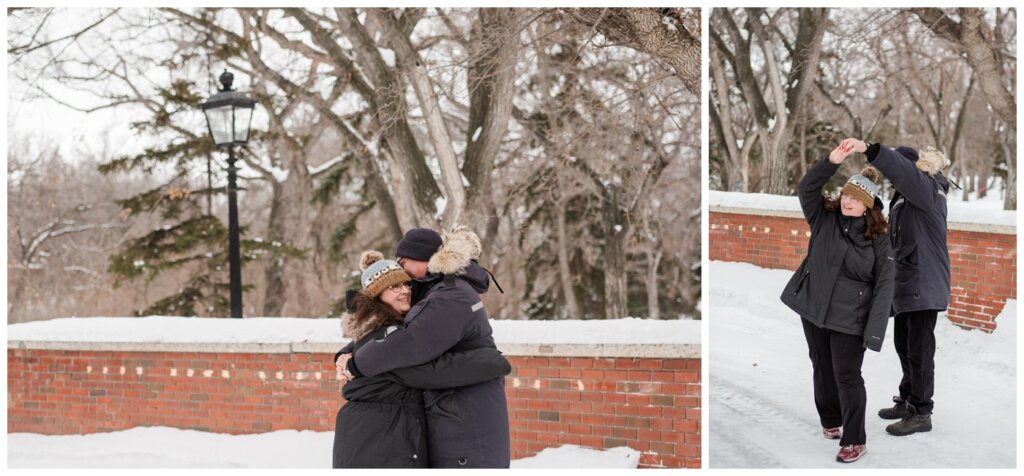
457	257
369	315
459	248
931	161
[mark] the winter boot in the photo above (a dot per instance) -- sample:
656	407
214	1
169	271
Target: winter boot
832	433
851	453
897	412
910	424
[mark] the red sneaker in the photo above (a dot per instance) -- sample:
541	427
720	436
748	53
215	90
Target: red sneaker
851	453
832	433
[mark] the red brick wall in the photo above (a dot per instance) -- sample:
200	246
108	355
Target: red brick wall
651	405
983	265
984	269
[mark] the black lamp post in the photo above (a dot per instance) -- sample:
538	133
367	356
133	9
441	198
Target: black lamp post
228	116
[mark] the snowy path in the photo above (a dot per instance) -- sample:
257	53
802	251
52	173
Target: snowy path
762	409
742	423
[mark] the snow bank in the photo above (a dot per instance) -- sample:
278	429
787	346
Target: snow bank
572	456
983	212
160	329
762	407
161	447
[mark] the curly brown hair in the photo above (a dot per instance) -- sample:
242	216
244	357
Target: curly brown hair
370	314
877	226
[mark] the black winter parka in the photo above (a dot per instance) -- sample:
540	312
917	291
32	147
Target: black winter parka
917	230
467	426
846	281
383	424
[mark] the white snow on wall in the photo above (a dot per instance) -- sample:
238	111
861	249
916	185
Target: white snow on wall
163	329
958	212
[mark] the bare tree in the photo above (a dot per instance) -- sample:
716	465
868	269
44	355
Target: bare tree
773	94
985	55
670	34
898	83
556	141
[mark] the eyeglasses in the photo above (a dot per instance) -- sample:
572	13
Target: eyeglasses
399	287
400	261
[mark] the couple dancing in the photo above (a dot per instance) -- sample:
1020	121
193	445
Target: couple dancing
860	270
424	380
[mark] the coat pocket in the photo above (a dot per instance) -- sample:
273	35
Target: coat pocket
800	283
863	305
441	406
907	255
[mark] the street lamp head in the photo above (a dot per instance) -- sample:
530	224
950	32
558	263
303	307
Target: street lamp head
229	114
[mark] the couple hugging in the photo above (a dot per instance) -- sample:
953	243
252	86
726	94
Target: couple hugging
859	270
424	380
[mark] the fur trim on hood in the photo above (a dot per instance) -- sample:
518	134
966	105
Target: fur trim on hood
370	314
931	161
460	246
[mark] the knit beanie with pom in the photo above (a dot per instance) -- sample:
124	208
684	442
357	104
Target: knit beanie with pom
379	273
863	186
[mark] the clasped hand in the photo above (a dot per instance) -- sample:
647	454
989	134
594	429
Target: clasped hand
845	148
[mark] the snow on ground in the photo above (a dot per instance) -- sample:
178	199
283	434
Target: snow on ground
285	330
572	456
987	211
762	406
162	447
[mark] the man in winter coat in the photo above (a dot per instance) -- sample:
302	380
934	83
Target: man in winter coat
917	228
467	426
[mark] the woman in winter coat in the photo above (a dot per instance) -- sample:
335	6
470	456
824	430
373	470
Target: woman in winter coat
382	425
843	292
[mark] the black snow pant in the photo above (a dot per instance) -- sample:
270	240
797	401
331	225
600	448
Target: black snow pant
914	338
839	392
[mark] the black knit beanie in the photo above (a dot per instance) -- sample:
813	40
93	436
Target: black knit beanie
418	244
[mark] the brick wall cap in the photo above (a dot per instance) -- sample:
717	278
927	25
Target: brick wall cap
961	218
290	332
640	351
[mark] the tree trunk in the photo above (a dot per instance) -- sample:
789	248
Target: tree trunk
966	180
572	306
416	207
16	284
785	102
615	231
802	169
412	65
512	302
724	120
490	80
275	293
1010	189
748	145
653	260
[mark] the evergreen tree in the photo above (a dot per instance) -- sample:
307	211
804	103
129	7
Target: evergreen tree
197	240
